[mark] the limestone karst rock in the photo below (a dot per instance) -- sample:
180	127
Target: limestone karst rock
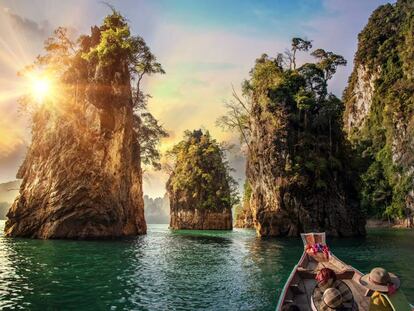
244	219
199	187
299	167
285	204
82	177
379	105
243	213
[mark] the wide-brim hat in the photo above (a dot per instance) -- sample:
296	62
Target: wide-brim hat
379	279
337	297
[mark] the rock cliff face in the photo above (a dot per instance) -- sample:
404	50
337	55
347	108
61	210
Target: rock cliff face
298	163
359	105
199	188
283	204
379	110
243	213
244	219
81	176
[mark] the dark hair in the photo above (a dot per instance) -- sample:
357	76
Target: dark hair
290	307
325	274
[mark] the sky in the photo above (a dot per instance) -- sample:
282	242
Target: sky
205	47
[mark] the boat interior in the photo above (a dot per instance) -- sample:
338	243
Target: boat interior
301	283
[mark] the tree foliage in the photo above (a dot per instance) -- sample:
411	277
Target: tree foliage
299	44
385	142
317	150
200	172
116	42
111	46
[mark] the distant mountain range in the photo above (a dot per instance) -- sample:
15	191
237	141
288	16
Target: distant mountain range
8	192
157	211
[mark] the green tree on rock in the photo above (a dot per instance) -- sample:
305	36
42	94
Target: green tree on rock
200	174
297	152
384	140
90	64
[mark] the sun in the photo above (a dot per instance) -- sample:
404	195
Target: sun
41	88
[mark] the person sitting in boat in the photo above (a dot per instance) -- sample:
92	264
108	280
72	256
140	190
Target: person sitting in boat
326	280
333	300
384	291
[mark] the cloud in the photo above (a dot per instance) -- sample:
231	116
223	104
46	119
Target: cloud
27	25
201	65
154	183
20	40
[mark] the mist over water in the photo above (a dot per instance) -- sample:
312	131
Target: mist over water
182	270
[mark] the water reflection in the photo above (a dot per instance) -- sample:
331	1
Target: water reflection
268	265
180	270
49	273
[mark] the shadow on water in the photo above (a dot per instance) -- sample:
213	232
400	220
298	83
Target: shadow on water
217	236
176	270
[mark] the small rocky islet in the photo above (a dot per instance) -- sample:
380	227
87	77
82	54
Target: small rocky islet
314	162
200	188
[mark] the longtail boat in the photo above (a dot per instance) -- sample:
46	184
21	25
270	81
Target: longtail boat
300	286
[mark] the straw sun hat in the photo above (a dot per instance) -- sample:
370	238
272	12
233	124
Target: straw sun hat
331	299
379	279
334	298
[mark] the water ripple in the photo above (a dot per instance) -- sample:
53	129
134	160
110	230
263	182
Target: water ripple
165	270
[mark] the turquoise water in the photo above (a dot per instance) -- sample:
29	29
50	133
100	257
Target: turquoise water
165	270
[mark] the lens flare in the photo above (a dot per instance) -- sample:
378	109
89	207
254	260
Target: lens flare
41	88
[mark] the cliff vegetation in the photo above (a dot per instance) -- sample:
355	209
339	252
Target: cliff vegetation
379	111
200	187
82	175
299	164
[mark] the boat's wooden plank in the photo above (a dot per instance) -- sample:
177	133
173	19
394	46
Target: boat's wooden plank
302	302
296	289
359	295
306	273
332	264
309	286
312	265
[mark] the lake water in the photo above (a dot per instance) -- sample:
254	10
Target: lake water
185	270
